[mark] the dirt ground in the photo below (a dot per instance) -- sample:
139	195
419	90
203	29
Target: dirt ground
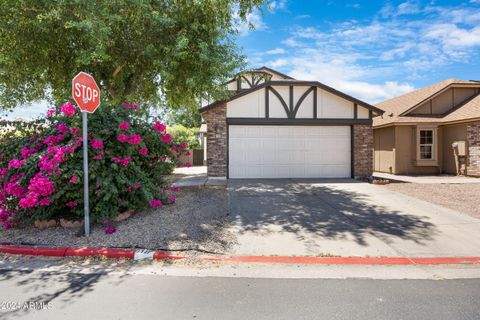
197	222
461	197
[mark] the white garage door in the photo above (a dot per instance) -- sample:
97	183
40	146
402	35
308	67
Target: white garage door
289	151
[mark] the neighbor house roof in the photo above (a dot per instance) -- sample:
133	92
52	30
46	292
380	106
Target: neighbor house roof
397	108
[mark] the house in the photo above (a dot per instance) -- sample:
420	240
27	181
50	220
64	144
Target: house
416	133
274	126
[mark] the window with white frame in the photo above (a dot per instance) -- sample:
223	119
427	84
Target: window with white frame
426	144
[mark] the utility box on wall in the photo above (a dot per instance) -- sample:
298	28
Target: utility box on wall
460	148
460	154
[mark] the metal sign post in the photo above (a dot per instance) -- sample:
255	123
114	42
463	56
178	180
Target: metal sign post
86	94
86	207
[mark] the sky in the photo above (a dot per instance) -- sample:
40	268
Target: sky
373	50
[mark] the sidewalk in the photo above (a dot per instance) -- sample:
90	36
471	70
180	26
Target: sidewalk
196	177
427	179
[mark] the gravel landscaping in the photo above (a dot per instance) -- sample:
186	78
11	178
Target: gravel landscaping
461	197
197	221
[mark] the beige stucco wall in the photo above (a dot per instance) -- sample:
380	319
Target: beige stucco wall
395	151
406	152
451	134
384	146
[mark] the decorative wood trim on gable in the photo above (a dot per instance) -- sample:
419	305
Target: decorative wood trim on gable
297	122
293	83
282	101
299	102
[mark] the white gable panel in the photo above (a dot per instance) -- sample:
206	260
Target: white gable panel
251	105
232	85
333	106
362	113
306	107
276	109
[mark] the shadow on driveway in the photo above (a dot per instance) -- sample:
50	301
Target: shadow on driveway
331	209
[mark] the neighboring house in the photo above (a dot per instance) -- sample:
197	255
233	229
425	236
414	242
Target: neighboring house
274	126
417	130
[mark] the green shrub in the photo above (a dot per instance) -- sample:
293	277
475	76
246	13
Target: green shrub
181	134
41	172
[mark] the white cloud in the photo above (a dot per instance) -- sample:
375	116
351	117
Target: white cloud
452	36
343	75
404	8
277	5
275	51
253	19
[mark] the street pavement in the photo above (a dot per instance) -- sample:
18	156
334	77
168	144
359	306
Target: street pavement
101	294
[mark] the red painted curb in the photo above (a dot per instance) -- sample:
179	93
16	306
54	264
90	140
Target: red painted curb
114	253
111	253
34	251
162	255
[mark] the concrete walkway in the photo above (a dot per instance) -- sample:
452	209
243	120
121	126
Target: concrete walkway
196	177
427	179
344	218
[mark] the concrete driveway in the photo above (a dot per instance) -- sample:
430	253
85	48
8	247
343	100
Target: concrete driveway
346	218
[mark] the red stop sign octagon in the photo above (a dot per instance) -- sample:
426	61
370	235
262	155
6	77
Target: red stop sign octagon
85	92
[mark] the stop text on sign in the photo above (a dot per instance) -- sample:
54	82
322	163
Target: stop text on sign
85	93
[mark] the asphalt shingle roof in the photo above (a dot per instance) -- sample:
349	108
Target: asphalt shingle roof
396	106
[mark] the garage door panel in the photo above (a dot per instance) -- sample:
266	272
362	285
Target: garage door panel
289	151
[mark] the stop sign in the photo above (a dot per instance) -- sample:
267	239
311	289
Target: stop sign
85	92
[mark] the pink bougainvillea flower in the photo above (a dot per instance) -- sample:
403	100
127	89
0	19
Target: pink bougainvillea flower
68	109
155	203
74	179
174	148
62	128
187	153
188	164
182	146
175	189
143	151
97	144
167	138
157	126
137	185
122	161
135	139
45	202
3	172
131	106
14	189
30	201
72	204
98	157
50	113
110	229
122	138
75	130
26	152
129	189
15	163
41	185
172	199
124	125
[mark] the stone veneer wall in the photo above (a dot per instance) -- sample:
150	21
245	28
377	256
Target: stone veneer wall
473	140
216	120
362	150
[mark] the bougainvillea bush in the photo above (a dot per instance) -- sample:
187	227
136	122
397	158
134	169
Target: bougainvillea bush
41	168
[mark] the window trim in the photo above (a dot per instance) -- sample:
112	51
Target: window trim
433	144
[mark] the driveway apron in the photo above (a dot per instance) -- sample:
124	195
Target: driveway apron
343	217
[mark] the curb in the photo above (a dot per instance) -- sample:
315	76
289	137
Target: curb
140	254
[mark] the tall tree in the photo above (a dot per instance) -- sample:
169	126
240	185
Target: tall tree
138	50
